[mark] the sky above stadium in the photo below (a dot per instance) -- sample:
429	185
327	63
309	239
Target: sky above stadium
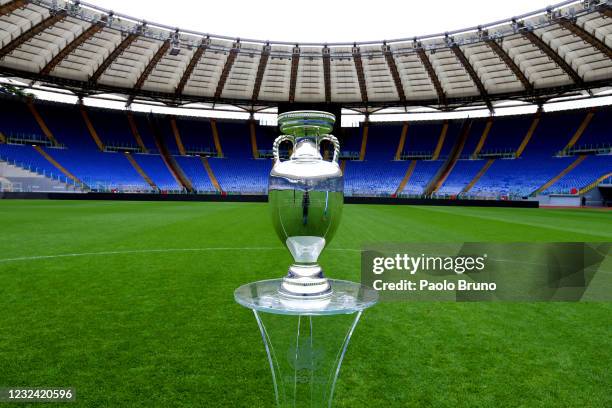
322	20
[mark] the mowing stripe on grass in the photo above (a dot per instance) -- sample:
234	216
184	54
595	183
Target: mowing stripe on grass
167	250
144	251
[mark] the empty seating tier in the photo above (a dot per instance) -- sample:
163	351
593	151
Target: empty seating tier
515	156
154	166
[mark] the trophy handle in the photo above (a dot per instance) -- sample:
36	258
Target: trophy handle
335	142
276	145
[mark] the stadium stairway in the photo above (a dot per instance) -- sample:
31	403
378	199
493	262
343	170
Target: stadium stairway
424	172
136	133
195	170
441	139
423	139
253	139
530	132
211	174
169	161
588	171
406	178
177	136
140	171
155	167
594	184
483	138
597	132
18	179
565	171
26	157
477	177
58	166
90	127
580	131
454	155
215	133
402	142
40	121
364	141
373	177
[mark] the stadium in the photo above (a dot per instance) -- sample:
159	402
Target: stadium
134	177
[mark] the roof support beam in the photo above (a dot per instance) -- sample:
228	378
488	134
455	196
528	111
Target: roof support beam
545	48
261	69
360	74
152	64
586	37
148	69
195	59
327	74
68	49
497	49
606	11
127	41
12	6
395	74
432	75
470	70
231	58
295	63
32	32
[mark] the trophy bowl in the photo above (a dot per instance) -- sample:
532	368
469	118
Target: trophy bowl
306	195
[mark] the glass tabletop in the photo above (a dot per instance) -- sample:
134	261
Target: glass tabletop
347	297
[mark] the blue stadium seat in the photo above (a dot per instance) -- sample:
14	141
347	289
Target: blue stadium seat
383	140
235	139
378	174
242	175
67	125
153	165
195	171
461	175
592	168
423	173
27	158
112	127
102	171
373	177
196	134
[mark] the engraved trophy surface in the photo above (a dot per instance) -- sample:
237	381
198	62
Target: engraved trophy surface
306	198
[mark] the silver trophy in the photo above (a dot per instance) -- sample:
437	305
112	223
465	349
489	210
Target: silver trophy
306	199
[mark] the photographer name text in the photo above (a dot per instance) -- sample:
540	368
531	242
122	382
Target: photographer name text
411	265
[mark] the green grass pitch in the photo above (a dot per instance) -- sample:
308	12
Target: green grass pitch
140	311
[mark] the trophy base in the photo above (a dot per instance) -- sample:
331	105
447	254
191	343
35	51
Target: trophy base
305	282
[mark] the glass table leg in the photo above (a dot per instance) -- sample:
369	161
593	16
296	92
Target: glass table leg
305	354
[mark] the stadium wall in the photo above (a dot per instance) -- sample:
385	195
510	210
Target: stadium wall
264	198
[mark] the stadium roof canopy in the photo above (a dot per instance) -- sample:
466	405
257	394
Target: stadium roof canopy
562	51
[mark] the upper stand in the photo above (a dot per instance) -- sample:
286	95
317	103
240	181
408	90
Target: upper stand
305	340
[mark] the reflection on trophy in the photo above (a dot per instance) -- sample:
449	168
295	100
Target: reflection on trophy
306	198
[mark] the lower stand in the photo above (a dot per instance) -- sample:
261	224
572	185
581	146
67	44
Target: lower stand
305	340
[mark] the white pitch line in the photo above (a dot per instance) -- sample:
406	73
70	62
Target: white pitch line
144	251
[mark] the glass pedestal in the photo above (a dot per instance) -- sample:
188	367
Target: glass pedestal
305	340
